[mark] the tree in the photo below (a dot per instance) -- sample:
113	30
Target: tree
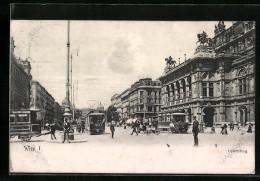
112	114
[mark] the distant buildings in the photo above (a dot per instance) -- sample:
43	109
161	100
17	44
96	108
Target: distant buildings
218	83
41	99
142	99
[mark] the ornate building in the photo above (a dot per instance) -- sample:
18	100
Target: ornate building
20	78
143	98
41	99
218	83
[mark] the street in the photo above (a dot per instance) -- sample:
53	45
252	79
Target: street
164	153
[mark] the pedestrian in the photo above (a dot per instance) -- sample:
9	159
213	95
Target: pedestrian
66	128
249	128
224	129
172	127
112	128
195	131
78	127
82	127
53	129
213	129
238	125
134	126
231	126
150	123
201	127
138	125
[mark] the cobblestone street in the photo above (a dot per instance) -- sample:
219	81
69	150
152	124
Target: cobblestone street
163	153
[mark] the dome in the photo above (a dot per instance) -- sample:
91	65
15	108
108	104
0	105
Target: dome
100	106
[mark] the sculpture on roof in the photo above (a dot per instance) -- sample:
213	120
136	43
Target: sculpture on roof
169	61
203	39
220	27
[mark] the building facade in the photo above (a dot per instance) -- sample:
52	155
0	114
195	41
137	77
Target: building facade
142	99
218	84
58	111
41	99
20	78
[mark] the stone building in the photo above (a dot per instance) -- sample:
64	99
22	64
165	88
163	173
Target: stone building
41	99
20	78
125	109
218	83
145	98
58	111
141	99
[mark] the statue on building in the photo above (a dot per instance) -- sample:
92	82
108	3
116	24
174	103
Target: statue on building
220	27
203	39
170	61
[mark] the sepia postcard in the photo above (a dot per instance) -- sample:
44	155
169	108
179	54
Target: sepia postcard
134	97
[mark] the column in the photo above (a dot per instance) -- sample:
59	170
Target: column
181	90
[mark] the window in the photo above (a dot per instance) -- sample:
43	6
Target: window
141	100
149	108
12	117
204	89
242	86
141	93
149	93
141	108
211	89
23	118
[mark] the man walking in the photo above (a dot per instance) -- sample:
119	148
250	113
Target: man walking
134	128
66	127
231	126
112	128
195	131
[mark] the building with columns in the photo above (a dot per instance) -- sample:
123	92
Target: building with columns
218	83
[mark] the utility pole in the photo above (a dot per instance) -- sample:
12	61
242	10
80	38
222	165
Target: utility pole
71	80
67	106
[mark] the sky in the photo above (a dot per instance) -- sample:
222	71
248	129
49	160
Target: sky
112	55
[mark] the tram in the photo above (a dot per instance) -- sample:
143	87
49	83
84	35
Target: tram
23	124
96	123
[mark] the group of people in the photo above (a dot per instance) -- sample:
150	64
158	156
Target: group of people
80	127
196	129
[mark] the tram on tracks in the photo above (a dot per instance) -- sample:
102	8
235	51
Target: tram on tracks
96	123
23	123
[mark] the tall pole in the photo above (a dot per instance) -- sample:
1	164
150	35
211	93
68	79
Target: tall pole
71	100
68	65
67	107
73	106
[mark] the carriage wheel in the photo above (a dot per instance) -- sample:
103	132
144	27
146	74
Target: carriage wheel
157	132
26	138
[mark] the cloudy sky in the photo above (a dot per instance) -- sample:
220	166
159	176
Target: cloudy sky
112	54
